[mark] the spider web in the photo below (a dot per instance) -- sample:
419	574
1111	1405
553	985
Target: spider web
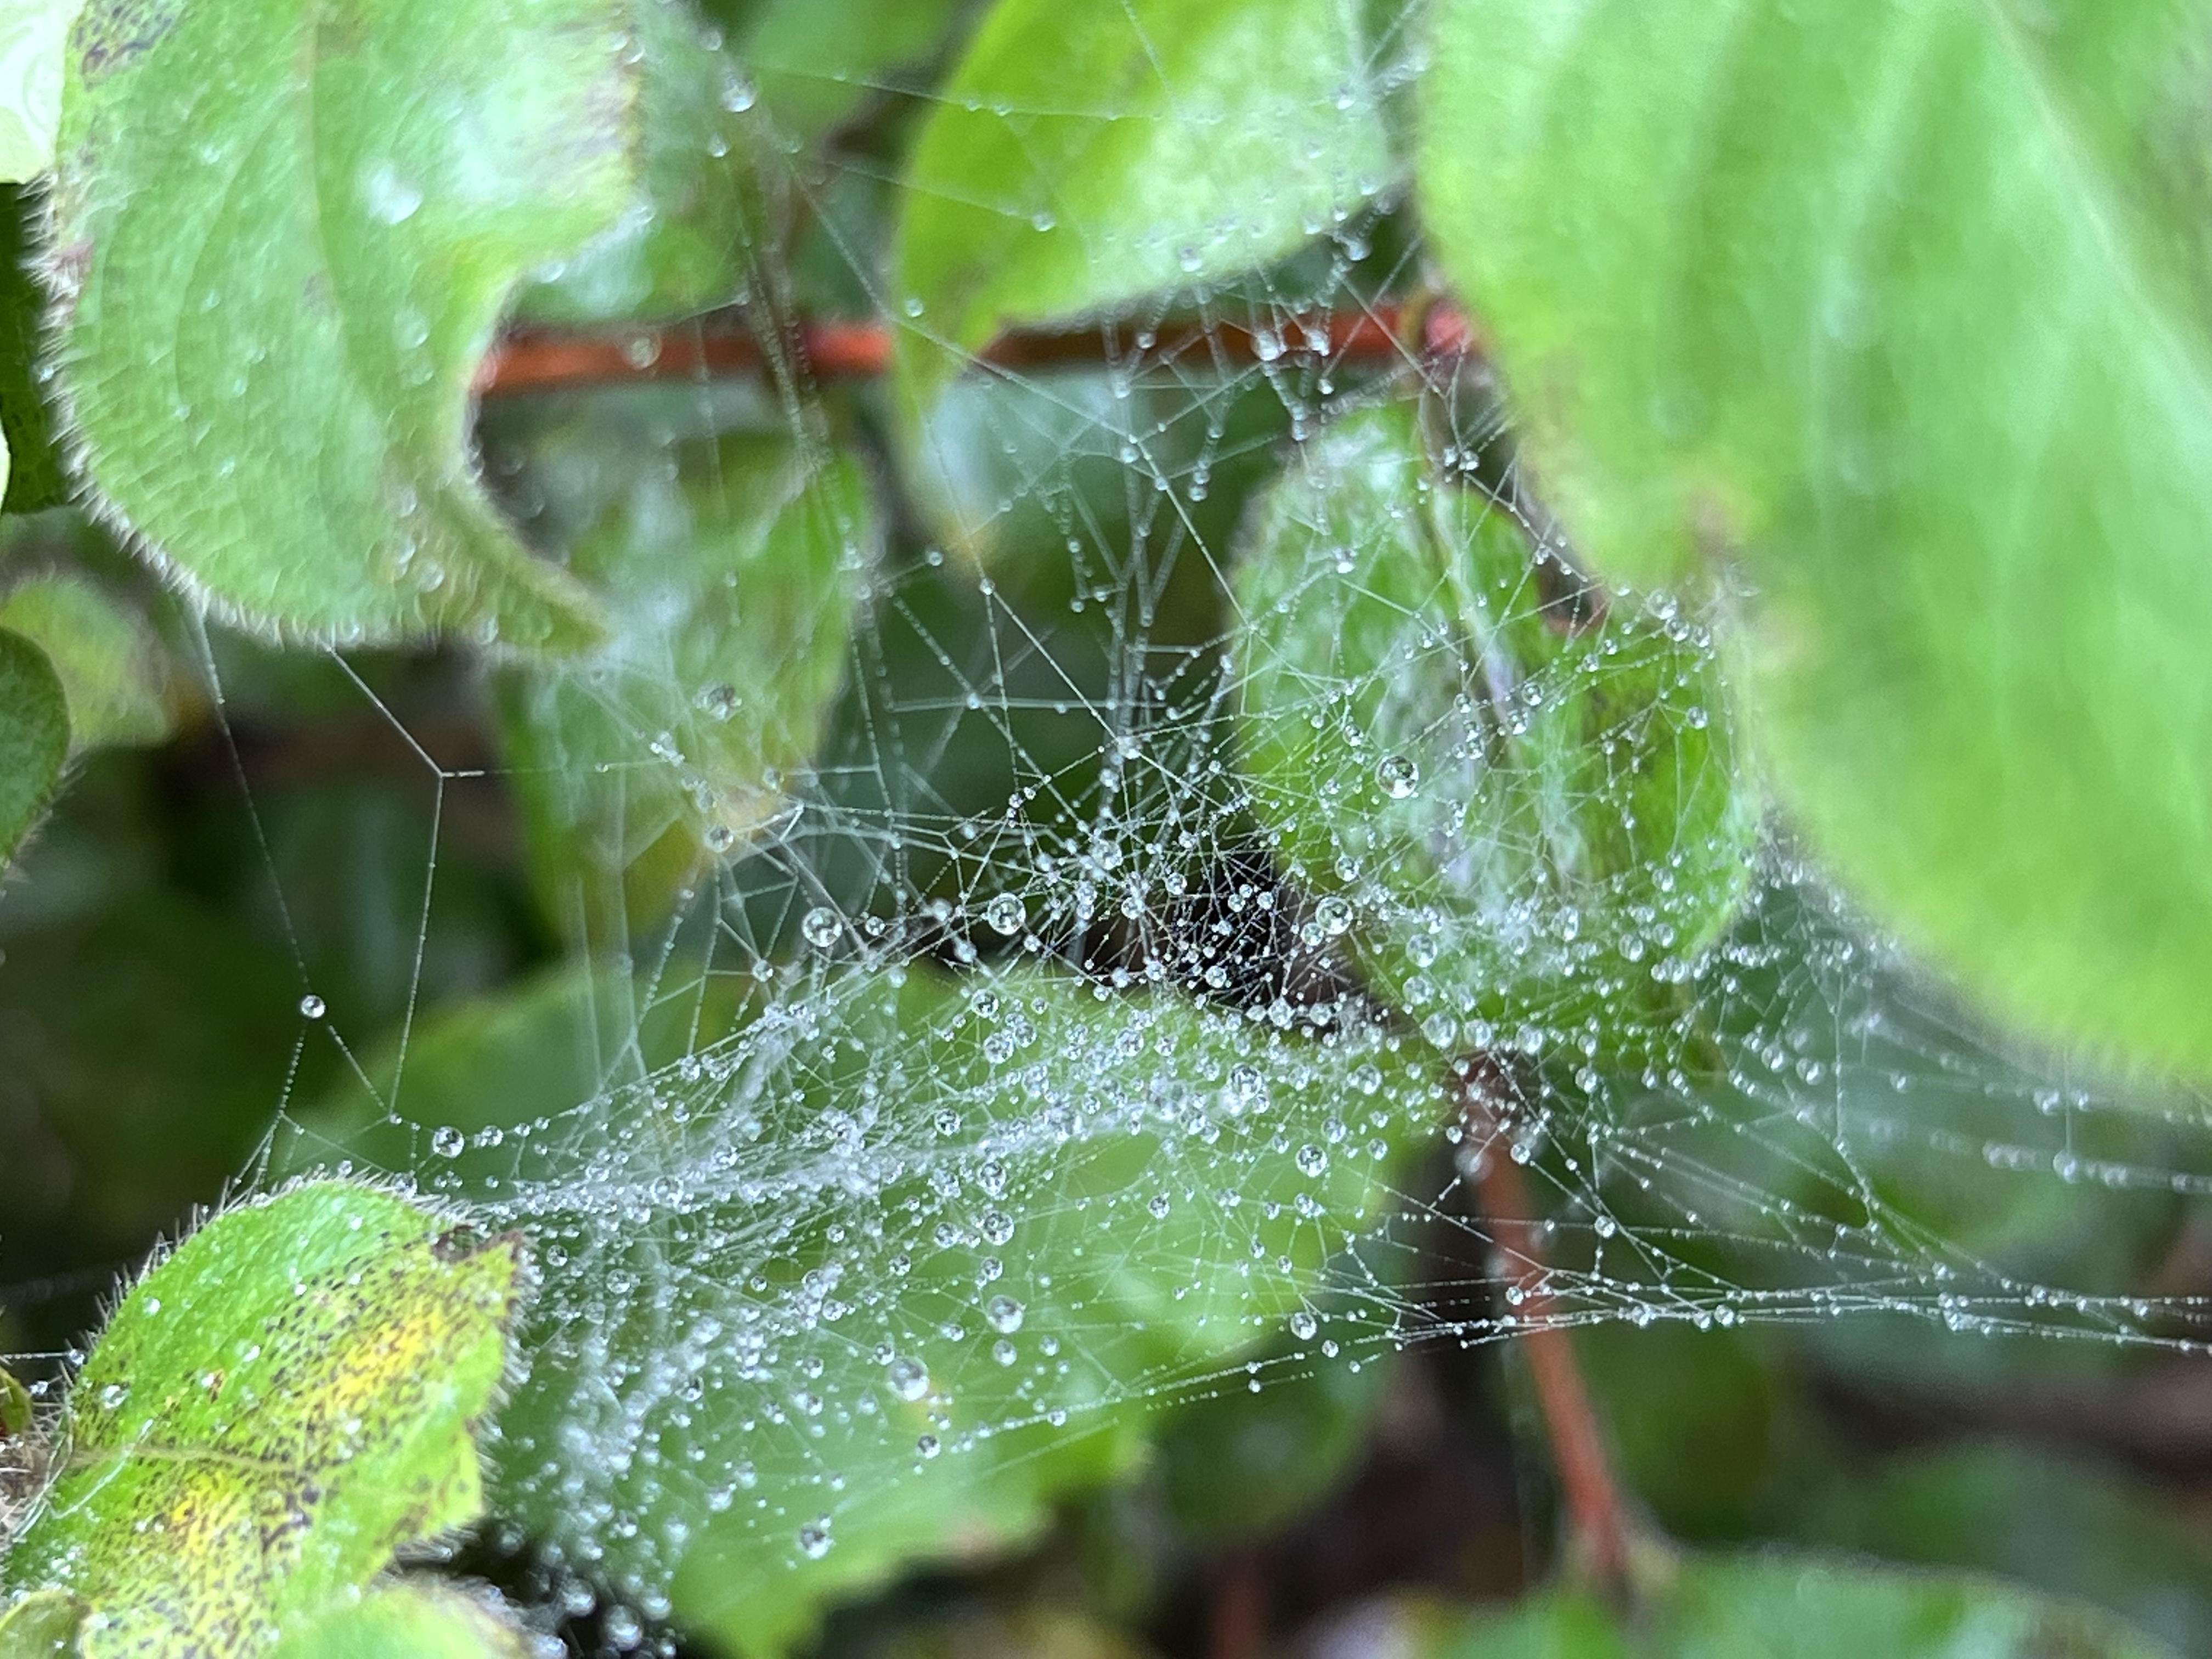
1027	803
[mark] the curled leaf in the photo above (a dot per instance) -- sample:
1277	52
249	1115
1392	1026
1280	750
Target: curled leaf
282	240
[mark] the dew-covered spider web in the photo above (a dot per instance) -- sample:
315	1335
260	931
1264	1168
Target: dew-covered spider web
973	1061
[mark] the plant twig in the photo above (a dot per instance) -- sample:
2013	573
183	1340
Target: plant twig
724	344
1597	1513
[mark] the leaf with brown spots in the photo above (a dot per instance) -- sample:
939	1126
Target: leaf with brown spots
276	1408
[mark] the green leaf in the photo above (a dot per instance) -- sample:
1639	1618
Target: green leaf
816	64
1901	309
308	225
497	1062
1156	1186
1078	160
272	1410
110	663
35	737
733	568
31	83
1751	1608
1526	826
405	1621
2071	1526
689	240
41	1626
1239	1464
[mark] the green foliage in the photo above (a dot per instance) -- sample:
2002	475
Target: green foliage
1899	310
982	1019
1725	1608
1077	162
817	64
684	243
35	737
975	1422
357	203
733	567
110	666
40	1626
1523	818
282	1403
404	1621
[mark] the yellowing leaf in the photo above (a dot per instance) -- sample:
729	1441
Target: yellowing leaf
274	1408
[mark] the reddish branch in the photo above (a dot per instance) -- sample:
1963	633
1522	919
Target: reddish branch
1596	1511
724	344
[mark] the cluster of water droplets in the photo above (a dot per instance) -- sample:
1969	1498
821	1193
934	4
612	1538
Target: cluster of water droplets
1013	1113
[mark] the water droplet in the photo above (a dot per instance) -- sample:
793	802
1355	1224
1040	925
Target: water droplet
909	1378
1006	914
718	700
927	1445
1302	1326
389	199
814	1538
996	1227
737	93
1311	1159
1398	776
312	1006
448	1141
113	1395
620	1629
1004	1314
1335	916
822	926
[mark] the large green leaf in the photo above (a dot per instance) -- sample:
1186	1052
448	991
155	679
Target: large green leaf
35	737
283	238
874	1279
273	1410
1525	824
1079	159
733	568
1783	1606
1899	307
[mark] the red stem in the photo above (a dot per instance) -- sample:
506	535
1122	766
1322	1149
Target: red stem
1596	1511
722	344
